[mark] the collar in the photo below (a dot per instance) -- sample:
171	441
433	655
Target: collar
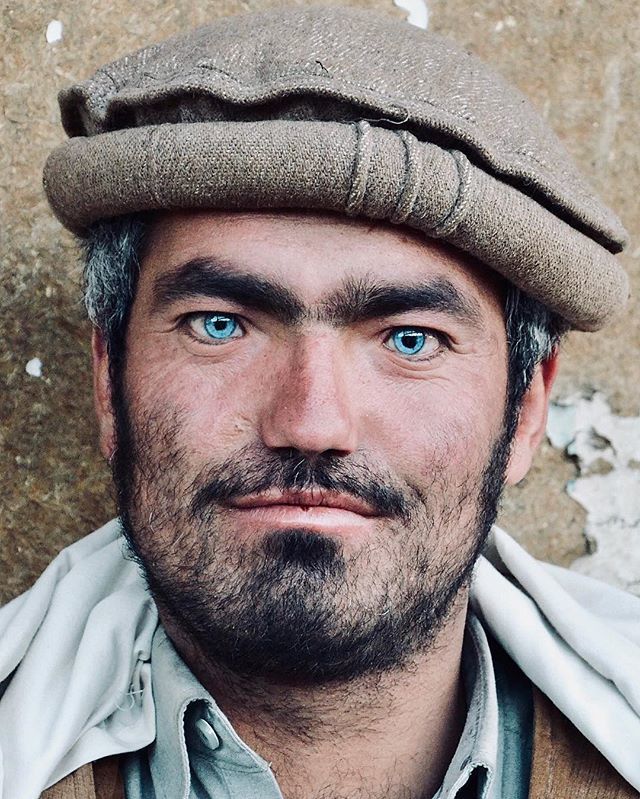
478	746
190	722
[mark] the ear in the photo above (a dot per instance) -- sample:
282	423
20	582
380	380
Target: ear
533	419
102	394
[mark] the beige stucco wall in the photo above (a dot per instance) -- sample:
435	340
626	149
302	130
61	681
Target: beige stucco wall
577	59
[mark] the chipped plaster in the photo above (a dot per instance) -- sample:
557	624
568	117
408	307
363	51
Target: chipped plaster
606	451
418	12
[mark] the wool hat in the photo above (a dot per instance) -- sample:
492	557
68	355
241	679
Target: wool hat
348	111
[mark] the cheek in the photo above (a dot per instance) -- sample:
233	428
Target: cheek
215	403
444	428
449	420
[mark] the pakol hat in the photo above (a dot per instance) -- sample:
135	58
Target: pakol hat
347	111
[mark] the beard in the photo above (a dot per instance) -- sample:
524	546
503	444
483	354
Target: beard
293	605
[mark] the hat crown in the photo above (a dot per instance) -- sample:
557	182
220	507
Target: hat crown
343	64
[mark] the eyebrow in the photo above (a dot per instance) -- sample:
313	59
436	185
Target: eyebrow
357	300
203	277
363	299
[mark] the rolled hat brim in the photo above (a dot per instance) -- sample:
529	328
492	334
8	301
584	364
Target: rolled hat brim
356	169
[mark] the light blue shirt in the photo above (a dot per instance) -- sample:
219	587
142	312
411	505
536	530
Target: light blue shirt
198	755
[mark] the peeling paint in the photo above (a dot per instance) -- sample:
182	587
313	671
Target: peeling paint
54	31
418	13
606	450
34	367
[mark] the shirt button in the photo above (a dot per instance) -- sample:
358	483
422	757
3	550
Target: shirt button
207	735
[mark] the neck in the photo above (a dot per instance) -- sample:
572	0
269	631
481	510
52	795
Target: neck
387	735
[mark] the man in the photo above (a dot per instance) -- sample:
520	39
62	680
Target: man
329	261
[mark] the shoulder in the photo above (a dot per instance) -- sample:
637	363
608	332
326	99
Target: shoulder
565	764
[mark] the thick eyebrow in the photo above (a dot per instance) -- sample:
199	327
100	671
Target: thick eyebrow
357	300
203	277
361	300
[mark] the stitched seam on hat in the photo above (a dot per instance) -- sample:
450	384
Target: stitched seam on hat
361	166
307	71
153	159
412	181
98	104
459	207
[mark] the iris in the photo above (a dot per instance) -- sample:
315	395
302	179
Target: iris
220	326
409	342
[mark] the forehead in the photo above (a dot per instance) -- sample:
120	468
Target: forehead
312	253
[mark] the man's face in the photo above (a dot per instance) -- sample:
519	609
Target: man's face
309	436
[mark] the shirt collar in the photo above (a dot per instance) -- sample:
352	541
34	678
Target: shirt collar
188	720
478	745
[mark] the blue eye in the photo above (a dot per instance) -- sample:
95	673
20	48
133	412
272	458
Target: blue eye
411	341
219	326
214	328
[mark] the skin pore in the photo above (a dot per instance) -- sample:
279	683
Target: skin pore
307	438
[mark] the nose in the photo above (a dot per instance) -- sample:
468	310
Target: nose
311	403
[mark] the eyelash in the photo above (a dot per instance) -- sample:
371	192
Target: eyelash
444	342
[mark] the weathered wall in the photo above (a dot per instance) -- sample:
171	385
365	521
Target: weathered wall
577	60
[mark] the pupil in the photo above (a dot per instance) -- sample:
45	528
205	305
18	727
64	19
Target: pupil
411	341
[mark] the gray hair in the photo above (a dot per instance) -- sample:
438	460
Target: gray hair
114	249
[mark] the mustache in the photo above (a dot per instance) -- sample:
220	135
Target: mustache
246	474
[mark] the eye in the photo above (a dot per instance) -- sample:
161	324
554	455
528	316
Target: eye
214	327
412	341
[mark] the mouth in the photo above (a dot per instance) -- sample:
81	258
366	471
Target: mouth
306	501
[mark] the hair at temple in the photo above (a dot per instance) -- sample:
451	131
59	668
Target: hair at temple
114	248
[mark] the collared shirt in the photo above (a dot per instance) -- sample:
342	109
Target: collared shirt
198	755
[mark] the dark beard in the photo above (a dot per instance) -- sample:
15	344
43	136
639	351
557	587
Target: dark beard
290	608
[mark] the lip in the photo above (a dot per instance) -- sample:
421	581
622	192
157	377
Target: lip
305	500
